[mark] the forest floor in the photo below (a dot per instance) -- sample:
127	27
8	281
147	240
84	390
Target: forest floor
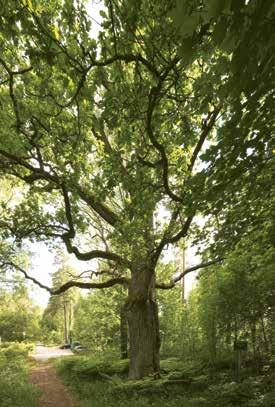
43	375
103	383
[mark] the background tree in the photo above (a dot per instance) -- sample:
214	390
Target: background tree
235	300
19	317
58	317
97	320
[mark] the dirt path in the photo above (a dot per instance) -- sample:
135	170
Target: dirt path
55	393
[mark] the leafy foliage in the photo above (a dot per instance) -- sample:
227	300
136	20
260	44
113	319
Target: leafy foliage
94	380
119	133
19	317
234	300
15	391
58	317
97	320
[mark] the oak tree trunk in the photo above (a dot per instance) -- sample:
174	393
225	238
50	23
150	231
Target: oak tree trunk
143	323
144	339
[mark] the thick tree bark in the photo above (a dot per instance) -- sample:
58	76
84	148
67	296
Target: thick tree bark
143	323
144	338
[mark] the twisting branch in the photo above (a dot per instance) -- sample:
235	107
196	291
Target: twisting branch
68	211
207	127
108	147
77	92
16	267
22	71
69	284
170	240
95	273
36	173
93	254
113	25
182	233
39	174
11	74
186	271
81	66
153	99
127	58
88	286
161	150
70	234
102	210
105	213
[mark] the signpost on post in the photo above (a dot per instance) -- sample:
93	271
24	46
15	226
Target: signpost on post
239	346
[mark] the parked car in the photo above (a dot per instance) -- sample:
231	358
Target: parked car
75	344
65	346
79	348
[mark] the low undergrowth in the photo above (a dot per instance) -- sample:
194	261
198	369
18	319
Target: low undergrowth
15	391
101	383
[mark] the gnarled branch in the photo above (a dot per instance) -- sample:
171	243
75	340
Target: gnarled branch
94	254
153	98
69	284
207	127
164	286
39	174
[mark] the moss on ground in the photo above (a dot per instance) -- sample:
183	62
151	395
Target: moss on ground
101	383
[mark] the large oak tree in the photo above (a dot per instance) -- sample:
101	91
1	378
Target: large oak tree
106	136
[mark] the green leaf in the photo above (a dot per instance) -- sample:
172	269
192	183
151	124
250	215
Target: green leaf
103	14
220	30
189	24
216	7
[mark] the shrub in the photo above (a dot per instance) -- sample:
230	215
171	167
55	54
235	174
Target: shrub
85	367
103	383
15	391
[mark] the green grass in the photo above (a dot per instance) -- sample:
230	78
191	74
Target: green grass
101	383
15	391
